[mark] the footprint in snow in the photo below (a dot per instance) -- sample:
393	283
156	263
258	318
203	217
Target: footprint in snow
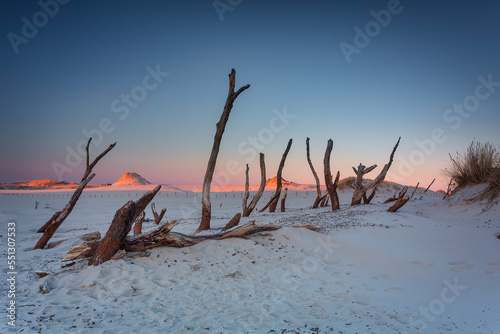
383	276
493	268
459	266
422	264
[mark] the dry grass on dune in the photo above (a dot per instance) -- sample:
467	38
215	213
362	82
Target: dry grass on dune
479	164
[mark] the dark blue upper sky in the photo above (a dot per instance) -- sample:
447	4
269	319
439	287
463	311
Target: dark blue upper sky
78	68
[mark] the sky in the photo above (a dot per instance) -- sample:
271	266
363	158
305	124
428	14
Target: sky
153	77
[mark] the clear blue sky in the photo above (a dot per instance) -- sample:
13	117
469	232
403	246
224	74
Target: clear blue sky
77	68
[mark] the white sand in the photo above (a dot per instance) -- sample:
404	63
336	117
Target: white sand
432	267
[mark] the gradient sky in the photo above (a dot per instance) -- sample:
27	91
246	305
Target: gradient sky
72	74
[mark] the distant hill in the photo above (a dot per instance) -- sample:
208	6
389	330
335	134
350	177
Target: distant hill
46	184
131	179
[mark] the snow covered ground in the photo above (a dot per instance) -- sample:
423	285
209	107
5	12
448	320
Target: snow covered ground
432	267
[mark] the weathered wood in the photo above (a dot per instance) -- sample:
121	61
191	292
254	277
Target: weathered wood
272	207
120	227
138	223
273	202
450	186
157	218
283	199
81	251
402	199
324	199
247	210
89	167
316	178
233	222
60	216
359	188
308	226
427	189
91	236
49	228
221	125
331	187
163	237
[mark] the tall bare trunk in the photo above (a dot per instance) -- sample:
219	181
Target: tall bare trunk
221	125
331	186
247	210
316	178
273	202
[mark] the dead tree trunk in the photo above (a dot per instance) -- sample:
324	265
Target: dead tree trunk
283	199
50	227
318	186
324	199
86	174
427	189
155	214
138	223
163	237
359	188
247	210
120	227
221	125
273	202
233	222
331	186
402	199
89	167
59	217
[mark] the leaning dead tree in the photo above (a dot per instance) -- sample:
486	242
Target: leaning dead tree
331	187
50	227
360	189
221	125
450	187
273	202
247	209
120	227
157	217
319	197
402	199
427	189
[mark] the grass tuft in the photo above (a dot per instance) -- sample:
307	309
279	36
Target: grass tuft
479	164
